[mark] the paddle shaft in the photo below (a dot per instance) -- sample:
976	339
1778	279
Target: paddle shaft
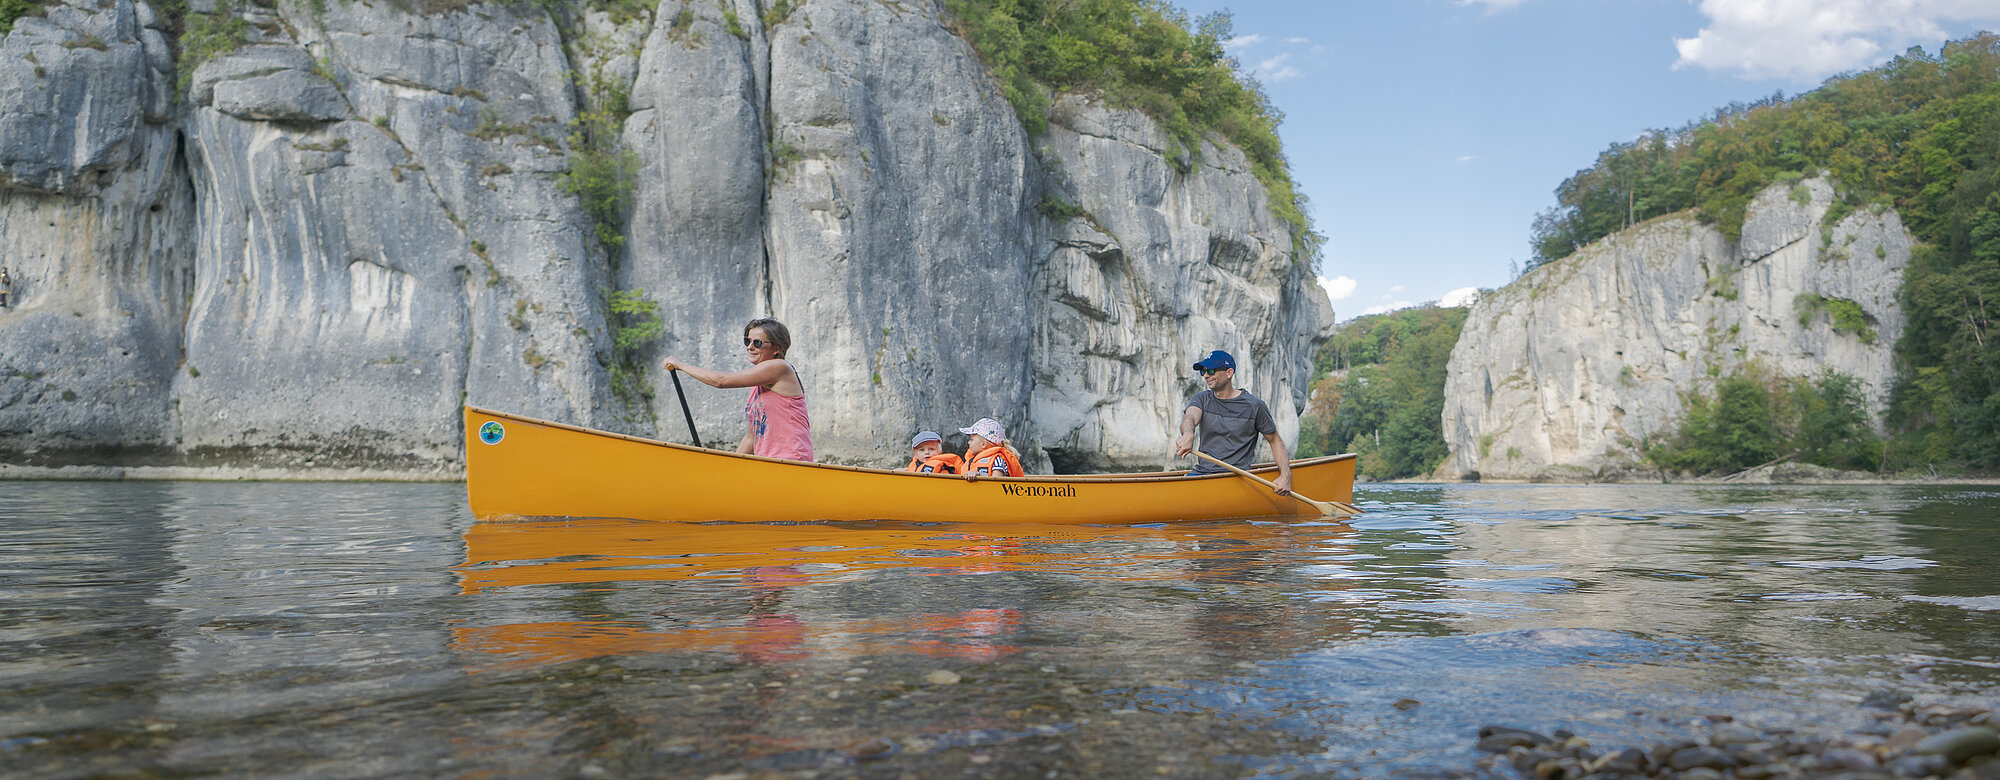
676	374
1324	507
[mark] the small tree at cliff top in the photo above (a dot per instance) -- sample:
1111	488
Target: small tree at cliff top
1141	54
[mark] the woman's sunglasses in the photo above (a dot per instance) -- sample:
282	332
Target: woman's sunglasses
757	343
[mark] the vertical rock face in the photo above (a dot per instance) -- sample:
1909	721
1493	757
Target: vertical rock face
697	242
1568	372
1161	267
900	228
95	207
315	249
375	246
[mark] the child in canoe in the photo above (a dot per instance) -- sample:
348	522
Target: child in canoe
928	456
988	454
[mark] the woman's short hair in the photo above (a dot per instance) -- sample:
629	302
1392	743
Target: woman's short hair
775	331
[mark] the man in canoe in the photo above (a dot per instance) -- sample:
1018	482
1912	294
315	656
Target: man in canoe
1230	419
987	453
928	455
778	426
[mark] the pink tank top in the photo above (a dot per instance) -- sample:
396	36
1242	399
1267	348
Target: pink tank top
780	422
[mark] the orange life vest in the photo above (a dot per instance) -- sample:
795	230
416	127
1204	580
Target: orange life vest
941	463
995	461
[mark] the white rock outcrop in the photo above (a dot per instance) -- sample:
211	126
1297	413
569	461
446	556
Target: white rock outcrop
1568	372
310	252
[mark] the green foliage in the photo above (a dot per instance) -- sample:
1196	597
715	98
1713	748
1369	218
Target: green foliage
1906	131
207	36
735	27
1057	208
678	28
1139	54
492	127
1380	391
1845	315
638	319
635	323
1734	430
11	10
783	154
602	173
777	12
1753	419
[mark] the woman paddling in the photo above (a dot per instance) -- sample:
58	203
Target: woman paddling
779	427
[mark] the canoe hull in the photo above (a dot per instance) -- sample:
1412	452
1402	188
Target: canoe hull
520	466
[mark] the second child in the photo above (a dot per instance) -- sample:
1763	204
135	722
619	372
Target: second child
987	454
928	456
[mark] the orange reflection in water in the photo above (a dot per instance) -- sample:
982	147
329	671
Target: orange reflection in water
767	560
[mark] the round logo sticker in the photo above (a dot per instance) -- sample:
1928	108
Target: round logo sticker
491	432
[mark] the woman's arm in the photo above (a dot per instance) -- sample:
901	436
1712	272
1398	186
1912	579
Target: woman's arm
748	446
760	375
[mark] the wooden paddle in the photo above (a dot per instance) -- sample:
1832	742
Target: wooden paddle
676	374
1324	507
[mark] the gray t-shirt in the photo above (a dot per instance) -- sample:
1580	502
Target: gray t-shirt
1230	428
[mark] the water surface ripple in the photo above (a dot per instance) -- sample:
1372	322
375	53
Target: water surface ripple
369	630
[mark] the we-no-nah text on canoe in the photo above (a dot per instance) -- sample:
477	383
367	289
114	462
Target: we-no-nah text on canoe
1065	491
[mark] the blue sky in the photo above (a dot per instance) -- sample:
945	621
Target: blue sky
1428	133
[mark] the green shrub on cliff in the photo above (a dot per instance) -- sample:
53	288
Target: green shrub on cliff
1380	392
602	173
1139	54
11	10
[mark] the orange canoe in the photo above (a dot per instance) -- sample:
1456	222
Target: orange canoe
521	466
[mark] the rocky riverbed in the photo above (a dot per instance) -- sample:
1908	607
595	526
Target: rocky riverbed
1907	739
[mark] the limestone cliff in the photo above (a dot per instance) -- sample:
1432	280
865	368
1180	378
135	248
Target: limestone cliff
1567	372
308	251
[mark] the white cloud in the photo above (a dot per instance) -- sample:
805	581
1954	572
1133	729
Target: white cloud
1461	297
1241	41
1298	40
1275	69
1386	308
1468	158
1807	40
1339	287
1395	289
1493	6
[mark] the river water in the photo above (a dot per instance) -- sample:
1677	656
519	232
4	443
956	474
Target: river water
372	630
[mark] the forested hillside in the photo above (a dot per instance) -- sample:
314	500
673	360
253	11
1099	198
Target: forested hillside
1380	391
1920	134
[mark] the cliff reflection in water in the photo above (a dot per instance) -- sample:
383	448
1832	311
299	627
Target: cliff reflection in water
778	593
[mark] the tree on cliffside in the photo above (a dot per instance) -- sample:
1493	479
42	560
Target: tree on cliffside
1141	54
1381	392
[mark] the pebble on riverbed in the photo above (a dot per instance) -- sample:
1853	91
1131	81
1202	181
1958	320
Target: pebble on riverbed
1914	741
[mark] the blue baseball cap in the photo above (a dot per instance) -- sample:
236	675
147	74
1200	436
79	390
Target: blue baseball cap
1216	360
924	437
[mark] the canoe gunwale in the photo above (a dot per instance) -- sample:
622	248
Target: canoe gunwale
1139	477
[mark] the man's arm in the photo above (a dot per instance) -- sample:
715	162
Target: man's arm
1184	444
1284	459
